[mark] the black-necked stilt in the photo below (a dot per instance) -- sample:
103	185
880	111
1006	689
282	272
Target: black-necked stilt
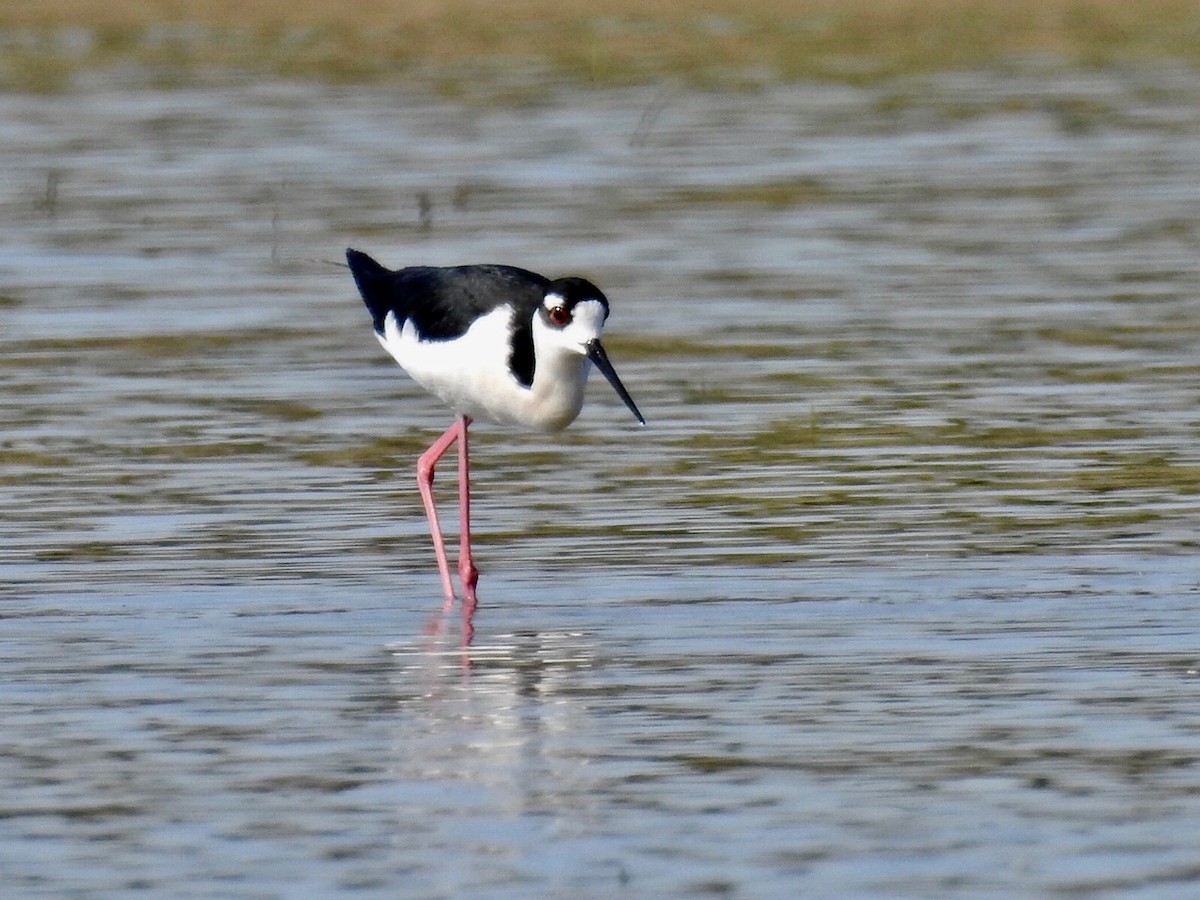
492	342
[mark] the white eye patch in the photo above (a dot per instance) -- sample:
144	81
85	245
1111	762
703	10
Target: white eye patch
590	315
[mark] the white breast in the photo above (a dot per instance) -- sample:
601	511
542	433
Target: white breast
471	374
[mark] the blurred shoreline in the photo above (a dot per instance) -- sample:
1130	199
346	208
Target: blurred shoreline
457	45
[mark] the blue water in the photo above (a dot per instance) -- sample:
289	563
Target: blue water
927	731
895	596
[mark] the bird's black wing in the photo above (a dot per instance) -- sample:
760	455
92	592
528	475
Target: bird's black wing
443	302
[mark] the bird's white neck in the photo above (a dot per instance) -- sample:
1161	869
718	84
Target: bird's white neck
559	376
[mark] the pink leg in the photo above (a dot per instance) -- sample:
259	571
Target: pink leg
425	466
425	472
467	572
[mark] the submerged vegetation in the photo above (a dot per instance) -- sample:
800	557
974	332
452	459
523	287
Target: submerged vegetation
716	42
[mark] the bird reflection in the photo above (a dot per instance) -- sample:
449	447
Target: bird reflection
438	626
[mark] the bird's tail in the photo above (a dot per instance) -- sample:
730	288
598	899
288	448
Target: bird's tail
373	282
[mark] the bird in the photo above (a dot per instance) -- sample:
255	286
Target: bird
493	342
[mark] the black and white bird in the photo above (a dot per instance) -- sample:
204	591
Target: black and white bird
492	342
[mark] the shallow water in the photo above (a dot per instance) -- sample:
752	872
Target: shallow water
896	594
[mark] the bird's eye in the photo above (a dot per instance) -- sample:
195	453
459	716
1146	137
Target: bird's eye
560	315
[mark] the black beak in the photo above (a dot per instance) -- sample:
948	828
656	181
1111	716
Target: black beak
596	354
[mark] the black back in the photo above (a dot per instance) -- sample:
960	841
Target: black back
442	302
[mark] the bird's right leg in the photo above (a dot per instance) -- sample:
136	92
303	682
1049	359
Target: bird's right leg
425	470
467	573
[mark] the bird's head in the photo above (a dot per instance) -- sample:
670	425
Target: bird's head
573	313
571	318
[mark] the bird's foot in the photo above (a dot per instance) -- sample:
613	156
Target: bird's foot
469	575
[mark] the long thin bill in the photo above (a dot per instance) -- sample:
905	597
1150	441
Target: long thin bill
596	354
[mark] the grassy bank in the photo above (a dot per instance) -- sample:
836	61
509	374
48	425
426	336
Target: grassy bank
714	42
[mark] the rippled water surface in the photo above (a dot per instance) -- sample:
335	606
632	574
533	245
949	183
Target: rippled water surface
896	595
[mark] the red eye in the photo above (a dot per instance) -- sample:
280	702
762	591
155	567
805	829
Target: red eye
560	315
